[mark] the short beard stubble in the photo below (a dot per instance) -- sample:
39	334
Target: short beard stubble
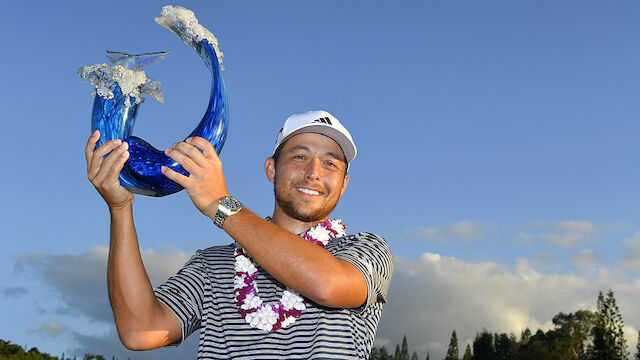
289	208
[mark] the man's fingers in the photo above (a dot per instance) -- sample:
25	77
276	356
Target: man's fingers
91	146
98	157
175	176
109	163
186	155
118	164
207	149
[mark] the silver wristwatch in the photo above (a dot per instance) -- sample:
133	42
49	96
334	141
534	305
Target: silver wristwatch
227	206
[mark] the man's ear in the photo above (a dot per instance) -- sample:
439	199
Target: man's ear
344	184
270	169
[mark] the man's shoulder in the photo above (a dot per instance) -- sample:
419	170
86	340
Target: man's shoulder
364	237
216	252
216	259
362	240
367	236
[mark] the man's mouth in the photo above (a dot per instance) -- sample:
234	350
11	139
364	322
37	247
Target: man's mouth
308	191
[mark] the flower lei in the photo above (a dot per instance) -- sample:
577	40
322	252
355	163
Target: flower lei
283	313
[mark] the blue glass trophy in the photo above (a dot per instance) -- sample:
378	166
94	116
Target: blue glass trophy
118	94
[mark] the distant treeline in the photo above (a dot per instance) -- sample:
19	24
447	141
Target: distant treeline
9	351
583	335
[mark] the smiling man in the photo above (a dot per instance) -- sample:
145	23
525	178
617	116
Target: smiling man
293	285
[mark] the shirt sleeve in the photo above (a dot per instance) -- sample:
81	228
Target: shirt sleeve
183	294
370	254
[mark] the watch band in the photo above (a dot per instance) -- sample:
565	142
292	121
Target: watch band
227	206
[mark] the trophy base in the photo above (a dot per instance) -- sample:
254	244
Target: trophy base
139	191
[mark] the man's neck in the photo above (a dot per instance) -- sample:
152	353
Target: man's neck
291	224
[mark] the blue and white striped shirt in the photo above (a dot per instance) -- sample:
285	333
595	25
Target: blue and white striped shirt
201	296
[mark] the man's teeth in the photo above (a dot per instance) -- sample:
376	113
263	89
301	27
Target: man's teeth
307	191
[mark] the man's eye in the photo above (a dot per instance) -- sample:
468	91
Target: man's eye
331	163
299	156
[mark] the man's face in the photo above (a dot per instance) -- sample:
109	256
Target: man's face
310	177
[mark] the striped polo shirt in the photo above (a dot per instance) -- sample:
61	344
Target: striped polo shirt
201	296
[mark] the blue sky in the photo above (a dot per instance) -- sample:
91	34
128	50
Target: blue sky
497	153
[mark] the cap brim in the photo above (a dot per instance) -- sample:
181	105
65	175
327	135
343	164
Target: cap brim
346	144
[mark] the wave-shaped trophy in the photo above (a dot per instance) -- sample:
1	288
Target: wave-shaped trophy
119	90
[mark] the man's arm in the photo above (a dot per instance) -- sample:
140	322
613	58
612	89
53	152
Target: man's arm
305	267
141	320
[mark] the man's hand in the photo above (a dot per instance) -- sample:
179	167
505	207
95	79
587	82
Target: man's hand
205	184
103	172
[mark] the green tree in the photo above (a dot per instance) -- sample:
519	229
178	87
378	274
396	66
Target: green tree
572	334
404	353
379	354
506	347
397	355
452	352
428	356
483	346
525	336
414	356
383	354
637	357
537	347
467	353
93	357
608	334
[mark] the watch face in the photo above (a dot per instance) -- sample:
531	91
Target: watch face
231	203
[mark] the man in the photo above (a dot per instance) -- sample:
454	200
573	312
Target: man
273	294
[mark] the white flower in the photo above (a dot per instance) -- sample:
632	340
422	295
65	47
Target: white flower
288	320
267	317
290	298
243	264
338	226
239	282
320	233
251	302
255	320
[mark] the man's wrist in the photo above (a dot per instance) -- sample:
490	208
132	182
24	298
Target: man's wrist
227	207
122	211
124	207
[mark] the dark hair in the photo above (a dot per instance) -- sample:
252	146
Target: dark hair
276	154
276	157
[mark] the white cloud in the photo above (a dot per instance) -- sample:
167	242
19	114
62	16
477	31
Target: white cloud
575	226
562	233
463	230
433	295
50	328
631	253
568	239
566	226
80	280
586	259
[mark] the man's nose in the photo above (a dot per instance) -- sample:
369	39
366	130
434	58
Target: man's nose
314	169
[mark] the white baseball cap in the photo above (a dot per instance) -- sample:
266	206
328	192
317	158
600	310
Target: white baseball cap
320	122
